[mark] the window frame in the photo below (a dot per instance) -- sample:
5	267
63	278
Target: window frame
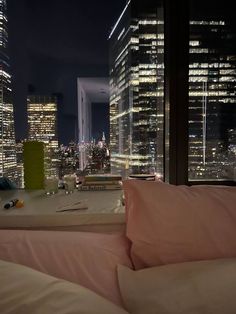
176	95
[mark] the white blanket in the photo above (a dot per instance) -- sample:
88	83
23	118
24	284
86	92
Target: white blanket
26	291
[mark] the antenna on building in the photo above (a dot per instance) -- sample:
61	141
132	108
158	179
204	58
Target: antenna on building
103	137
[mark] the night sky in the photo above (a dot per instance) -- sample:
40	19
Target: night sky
51	43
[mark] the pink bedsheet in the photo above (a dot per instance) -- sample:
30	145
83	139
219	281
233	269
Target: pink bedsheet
89	259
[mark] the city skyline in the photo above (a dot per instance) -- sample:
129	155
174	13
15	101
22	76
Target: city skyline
138	111
51	48
40	46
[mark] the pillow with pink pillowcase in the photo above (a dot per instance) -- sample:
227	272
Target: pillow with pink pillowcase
171	224
89	259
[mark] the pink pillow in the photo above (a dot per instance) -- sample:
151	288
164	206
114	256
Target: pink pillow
171	224
88	259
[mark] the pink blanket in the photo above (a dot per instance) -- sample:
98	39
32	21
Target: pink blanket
89	259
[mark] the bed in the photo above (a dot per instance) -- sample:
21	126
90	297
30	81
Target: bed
178	255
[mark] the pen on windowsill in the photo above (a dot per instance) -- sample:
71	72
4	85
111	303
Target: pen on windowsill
70	209
73	204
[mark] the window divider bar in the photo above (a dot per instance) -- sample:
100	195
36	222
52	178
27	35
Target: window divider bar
176	87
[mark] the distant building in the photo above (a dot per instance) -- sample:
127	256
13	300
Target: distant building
42	127
20	165
90	90
7	131
68	159
212	99
98	157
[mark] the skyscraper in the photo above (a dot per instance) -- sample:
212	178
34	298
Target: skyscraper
136	83
212	99
7	132
137	93
42	127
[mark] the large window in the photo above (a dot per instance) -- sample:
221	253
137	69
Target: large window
172	106
212	91
200	92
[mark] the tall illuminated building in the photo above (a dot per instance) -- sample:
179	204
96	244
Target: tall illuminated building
212	99
42	127
7	132
136	101
136	88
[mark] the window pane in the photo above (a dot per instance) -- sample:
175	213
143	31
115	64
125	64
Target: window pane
212	93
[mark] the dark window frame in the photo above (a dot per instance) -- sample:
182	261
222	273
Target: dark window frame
176	89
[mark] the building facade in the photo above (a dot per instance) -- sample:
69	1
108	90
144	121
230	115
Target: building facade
212	100
136	89
42	127
7	127
90	91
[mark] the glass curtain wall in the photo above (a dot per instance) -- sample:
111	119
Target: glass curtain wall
212	91
137	83
8	167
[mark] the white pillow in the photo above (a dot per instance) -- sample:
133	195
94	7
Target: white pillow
203	287
27	291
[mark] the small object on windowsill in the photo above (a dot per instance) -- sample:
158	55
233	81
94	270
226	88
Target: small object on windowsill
19	204
51	185
99	187
71	209
69	183
143	176
11	203
14	203
6	184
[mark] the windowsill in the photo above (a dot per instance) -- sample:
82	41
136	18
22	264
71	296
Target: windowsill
104	211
